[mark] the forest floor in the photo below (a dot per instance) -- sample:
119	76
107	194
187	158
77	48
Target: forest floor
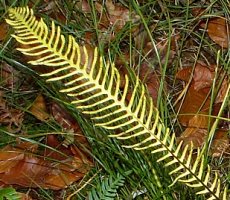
179	49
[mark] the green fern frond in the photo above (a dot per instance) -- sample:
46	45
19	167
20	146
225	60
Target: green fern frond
9	194
95	89
108	188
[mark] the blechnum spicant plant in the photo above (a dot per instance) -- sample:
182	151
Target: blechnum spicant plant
9	194
107	189
94	86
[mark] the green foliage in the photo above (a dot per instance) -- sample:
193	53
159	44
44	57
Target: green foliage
9	194
108	188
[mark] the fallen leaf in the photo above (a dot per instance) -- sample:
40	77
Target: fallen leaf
3	30
29	169
74	157
197	99
52	141
195	135
9	76
200	121
117	15
9	159
68	123
84	6
149	52
113	17
194	102
194	110
202	75
38	108
220	143
53	10
223	90
162	47
10	117
198	136
198	11
198	95
218	30
151	78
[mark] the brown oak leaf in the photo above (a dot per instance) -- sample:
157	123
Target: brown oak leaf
3	30
218	30
202	75
24	165
38	108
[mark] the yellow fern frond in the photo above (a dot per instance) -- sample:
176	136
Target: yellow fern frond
95	89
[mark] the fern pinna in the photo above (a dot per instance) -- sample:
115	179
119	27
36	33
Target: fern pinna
95	88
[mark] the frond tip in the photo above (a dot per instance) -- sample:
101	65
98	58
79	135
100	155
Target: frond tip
94	87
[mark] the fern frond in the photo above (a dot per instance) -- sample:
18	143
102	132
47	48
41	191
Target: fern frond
108	188
9	194
95	89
